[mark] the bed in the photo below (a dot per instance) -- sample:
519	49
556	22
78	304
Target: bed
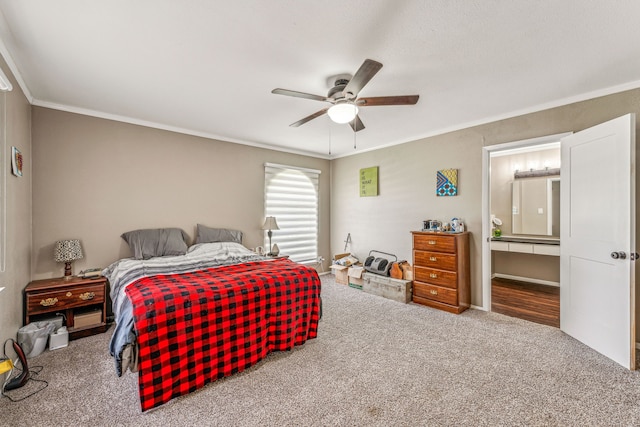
185	320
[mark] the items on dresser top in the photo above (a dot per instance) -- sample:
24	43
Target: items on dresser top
441	270
454	226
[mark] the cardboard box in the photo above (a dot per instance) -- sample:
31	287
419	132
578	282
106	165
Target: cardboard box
395	289
355	277
336	257
90	318
340	271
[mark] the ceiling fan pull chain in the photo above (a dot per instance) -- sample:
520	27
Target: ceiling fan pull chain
354	140
329	124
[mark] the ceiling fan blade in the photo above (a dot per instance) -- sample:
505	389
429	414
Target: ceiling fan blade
367	70
297	94
309	118
387	100
356	124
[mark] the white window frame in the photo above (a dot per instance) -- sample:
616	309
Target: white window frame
291	195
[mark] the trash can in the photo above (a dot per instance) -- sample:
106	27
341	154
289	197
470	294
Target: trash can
33	337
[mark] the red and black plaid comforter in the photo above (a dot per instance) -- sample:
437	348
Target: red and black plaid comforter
196	327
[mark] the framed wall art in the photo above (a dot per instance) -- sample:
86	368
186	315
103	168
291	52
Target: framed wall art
447	182
369	182
16	161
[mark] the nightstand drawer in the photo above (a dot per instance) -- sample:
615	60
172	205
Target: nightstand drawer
63	298
448	279
435	260
435	293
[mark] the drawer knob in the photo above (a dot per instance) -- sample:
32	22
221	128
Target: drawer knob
432	242
432	258
69	294
48	302
432	292
87	296
433	275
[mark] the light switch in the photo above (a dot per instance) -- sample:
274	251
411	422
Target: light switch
540	211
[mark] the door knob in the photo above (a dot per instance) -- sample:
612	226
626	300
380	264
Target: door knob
618	255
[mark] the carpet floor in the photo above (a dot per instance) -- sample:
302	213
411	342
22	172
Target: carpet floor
376	362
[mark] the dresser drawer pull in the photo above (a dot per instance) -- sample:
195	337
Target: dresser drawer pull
87	296
432	242
48	302
432	258
69	294
433	292
433	275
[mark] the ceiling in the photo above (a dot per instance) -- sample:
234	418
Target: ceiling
208	67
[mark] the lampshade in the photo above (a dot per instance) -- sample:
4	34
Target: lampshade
343	112
270	223
68	250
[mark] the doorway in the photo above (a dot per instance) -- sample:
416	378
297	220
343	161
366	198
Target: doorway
521	266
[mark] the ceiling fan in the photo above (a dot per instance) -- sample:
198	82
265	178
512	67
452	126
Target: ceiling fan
344	97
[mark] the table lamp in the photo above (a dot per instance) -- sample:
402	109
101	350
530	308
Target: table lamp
270	224
67	251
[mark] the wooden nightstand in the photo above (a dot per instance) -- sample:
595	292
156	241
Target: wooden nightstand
72	297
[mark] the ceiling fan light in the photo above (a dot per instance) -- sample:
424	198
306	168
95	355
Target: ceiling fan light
343	112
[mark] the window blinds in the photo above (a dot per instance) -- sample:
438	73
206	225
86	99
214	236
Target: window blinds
291	196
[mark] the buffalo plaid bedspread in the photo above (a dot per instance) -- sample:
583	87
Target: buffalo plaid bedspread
196	327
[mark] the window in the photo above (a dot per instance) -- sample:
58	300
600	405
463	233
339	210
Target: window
291	196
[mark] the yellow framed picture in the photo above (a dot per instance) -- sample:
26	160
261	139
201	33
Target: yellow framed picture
369	182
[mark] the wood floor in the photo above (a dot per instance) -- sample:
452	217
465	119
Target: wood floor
528	301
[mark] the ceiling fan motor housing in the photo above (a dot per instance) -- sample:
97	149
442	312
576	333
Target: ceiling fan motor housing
336	91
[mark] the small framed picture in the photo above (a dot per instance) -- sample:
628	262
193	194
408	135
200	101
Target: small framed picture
16	161
447	182
369	182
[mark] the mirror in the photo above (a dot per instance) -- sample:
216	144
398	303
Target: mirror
536	206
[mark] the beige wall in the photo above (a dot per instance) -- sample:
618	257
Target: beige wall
18	211
407	179
95	179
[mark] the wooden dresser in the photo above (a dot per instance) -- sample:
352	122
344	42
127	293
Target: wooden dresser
441	274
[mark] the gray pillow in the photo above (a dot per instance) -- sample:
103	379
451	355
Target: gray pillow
206	234
154	242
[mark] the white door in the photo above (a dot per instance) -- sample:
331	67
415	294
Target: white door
597	273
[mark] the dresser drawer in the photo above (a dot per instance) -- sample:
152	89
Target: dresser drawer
435	293
435	260
445	278
434	243
63	298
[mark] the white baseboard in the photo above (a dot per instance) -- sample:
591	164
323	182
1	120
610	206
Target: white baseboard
525	279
